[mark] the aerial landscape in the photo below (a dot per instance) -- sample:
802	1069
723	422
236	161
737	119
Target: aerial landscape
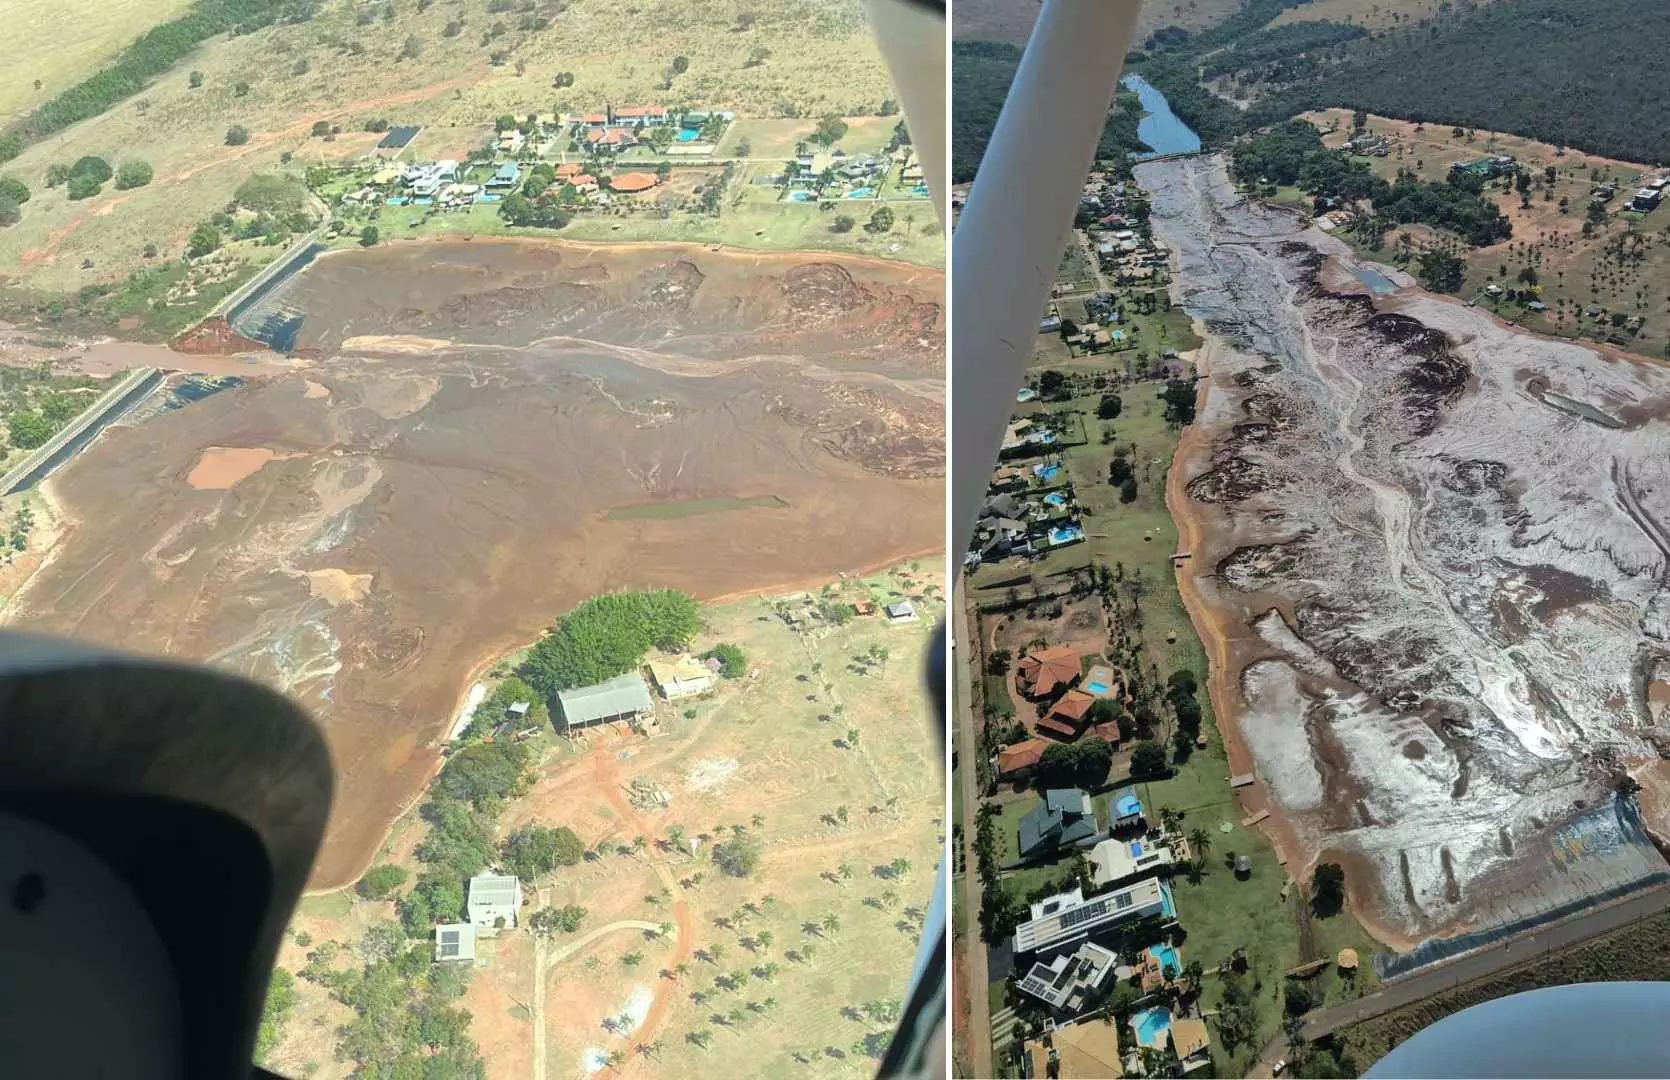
1316	608
549	397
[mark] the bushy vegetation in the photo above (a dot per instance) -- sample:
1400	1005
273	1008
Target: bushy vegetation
1514	67
608	636
535	850
733	664
152	54
1281	53
406	1022
1292	153
523	212
738	856
485	775
1083	763
281	998
381	880
14	189
133	173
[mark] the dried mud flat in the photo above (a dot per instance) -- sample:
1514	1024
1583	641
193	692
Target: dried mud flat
1438	550
432	487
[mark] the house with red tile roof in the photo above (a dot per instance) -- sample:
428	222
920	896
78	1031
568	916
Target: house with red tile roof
611	138
1047	670
633	182
1017	758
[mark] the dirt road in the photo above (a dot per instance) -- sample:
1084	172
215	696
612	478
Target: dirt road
976	1037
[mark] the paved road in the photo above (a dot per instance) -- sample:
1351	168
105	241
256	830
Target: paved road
1486	962
978	1039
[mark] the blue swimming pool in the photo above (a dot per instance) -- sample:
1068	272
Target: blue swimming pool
1096	686
919	189
1170	963
802	196
689	135
1066	534
1151	1026
862	193
1056	498
1045	472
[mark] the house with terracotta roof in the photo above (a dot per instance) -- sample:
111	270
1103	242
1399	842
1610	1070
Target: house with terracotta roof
583	183
611	138
1068	714
594	119
1191	1042
633	182
1047	670
640	115
1014	760
568	169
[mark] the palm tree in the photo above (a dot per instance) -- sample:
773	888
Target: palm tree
639	843
845	870
841	813
701	1038
832	922
1200	842
681	970
759	821
765	938
675	837
716	951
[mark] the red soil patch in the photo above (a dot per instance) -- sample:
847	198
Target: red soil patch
220	467
213	336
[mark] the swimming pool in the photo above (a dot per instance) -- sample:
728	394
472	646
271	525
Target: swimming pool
1151	1026
919	189
802	196
1066	534
688	135
1171	965
1096	686
861	193
1045	472
1056	498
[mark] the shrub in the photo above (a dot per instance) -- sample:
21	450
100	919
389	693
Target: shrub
94	168
732	663
880	221
321	128
133	173
369	236
28	429
382	880
83	187
10	213
237	135
14	189
739	856
204	239
1328	890
195	80
842	224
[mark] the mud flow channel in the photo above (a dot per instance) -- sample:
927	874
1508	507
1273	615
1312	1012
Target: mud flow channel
1440	579
439	474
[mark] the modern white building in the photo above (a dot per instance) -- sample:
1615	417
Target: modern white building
494	897
1059	923
1116	860
1065	982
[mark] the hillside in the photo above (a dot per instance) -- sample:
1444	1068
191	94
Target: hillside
1516	67
55	42
474	60
1011	20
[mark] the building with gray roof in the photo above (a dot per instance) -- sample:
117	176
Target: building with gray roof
623	697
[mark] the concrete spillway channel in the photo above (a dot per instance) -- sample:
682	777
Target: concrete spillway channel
115	403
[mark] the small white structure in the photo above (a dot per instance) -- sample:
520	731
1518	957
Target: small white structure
494	897
901	612
680	678
455	943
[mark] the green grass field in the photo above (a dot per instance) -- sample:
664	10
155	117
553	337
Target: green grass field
56	42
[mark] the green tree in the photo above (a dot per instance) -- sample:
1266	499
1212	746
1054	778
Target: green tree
28	429
738	856
1109	407
1328	890
830	130
1148	760
609	635
484	775
56	174
534	850
10	212
281	998
14	189
369	236
843	223
240	88
680	65
1128	490
881	220
194	80
732	663
133	173
83	187
237	135
564	920
381	880
1440	271
412	49
320	129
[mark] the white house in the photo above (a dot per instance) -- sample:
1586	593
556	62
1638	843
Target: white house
494	897
680	678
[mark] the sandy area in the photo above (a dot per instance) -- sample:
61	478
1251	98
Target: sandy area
221	467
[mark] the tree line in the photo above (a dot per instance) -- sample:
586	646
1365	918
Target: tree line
607	636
